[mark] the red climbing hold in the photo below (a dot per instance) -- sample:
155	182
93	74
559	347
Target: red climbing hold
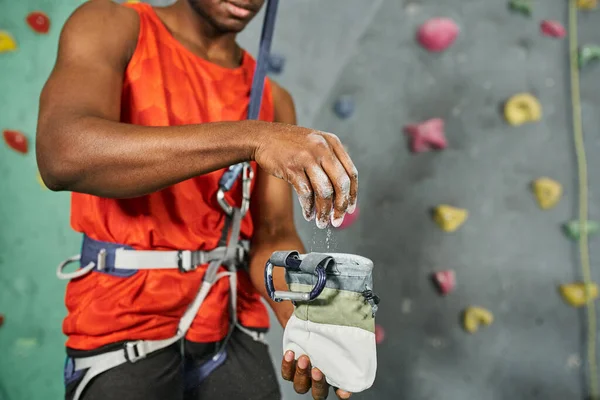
16	141
39	22
445	281
553	29
379	334
349	219
437	34
1	320
427	135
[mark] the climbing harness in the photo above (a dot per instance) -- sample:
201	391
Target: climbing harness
123	261
334	314
583	197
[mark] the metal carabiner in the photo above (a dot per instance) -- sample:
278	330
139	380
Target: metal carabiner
247	176
292	263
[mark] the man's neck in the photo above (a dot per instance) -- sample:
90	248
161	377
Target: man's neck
200	36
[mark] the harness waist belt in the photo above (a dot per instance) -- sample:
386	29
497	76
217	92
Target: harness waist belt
123	261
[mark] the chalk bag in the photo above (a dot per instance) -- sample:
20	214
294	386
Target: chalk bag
334	314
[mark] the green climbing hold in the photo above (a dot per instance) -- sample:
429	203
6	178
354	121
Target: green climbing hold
521	6
588	54
573	229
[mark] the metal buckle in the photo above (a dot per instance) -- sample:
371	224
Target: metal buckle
293	264
247	176
134	351
184	261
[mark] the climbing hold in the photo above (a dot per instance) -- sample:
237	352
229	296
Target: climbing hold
522	108
39	22
16	140
521	6
437	34
587	4
445	281
349	219
41	181
132	1
553	29
476	316
379	334
573	229
575	294
1	320
344	107
547	192
449	218
276	63
7	42
587	54
427	135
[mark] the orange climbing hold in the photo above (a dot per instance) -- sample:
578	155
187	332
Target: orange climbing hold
16	141
547	192
474	317
575	294
449	218
39	22
7	42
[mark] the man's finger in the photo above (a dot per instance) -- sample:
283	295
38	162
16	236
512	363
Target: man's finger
302	376
323	190
320	387
288	366
344	158
304	190
342	394
341	183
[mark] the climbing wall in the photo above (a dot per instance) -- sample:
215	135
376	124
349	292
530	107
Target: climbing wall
507	255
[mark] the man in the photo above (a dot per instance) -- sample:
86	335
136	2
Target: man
140	117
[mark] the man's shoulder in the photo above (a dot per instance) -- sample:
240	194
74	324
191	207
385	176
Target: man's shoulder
111	17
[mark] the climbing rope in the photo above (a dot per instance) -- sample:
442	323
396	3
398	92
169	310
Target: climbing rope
583	198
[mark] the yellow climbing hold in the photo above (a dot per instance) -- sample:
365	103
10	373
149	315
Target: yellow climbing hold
587	4
7	42
449	218
474	317
547	192
522	108
574	293
132	1
40	181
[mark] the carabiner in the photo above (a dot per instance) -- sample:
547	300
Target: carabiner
292	263
247	176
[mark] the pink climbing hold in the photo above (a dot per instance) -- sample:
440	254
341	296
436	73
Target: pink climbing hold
349	219
427	135
437	34
553	29
379	334
445	281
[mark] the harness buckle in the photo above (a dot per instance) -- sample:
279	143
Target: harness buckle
134	351
184	261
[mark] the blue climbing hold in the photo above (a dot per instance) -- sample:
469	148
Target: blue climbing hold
344	107
276	63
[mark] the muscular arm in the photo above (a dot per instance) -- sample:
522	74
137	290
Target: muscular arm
273	217
82	146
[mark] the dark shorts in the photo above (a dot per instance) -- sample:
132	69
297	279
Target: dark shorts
248	373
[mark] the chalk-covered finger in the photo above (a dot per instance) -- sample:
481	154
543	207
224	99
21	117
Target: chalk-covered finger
341	185
351	170
323	190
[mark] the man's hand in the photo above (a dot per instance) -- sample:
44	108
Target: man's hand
304	378
317	166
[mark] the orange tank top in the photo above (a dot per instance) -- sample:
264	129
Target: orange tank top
165	84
